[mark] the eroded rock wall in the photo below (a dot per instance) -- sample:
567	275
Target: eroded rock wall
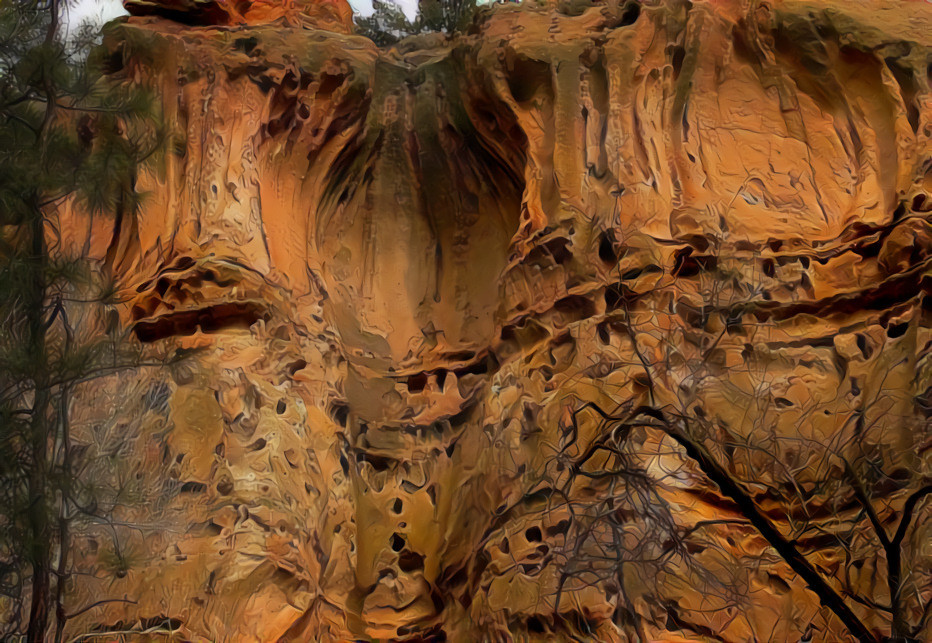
396	289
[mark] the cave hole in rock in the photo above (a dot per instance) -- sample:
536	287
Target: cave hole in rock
340	413
630	14
410	561
528	77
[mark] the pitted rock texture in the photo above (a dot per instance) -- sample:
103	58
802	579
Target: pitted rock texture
397	288
333	15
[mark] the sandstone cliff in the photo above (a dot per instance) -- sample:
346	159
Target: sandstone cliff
462	306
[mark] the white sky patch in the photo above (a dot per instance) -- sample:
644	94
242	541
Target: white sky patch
409	7
97	12
100	11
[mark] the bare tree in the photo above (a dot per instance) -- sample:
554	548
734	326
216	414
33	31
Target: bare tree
861	492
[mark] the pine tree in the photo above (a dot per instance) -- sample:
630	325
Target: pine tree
68	141
447	16
388	24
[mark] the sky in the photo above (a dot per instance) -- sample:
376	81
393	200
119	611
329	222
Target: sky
100	11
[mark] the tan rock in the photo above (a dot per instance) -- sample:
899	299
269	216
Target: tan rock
415	276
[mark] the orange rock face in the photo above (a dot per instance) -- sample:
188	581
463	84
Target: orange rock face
333	15
484	325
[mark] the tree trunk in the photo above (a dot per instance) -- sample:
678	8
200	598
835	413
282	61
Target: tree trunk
38	510
39	611
61	573
786	549
35	317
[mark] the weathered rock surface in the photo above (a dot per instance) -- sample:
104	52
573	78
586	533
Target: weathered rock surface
333	15
408	271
